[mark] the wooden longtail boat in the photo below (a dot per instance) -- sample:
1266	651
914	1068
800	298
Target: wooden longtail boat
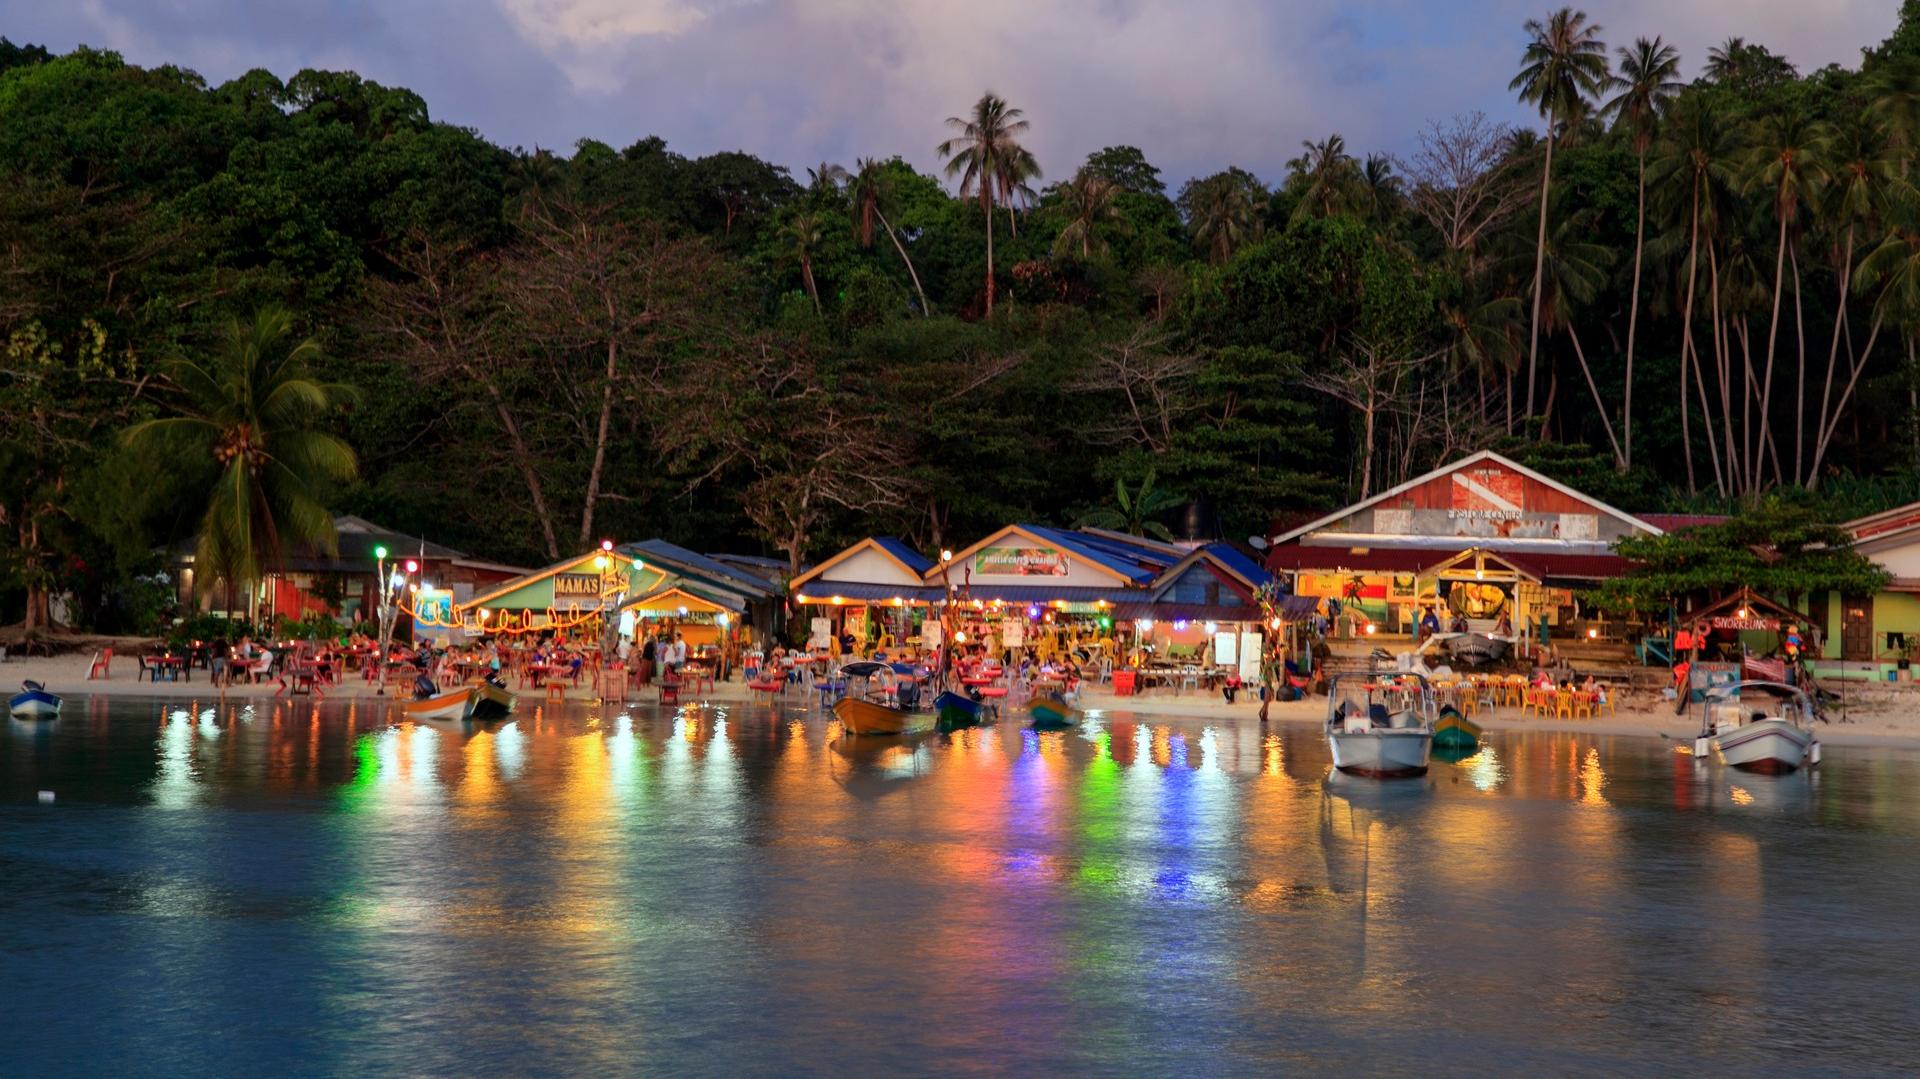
1050	711
861	716
493	702
458	704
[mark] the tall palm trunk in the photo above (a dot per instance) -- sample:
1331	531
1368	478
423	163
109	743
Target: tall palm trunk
1833	424
1773	326
986	204
813	292
1845	280
1599	406
1800	380
1686	338
925	311
1633	323
1539	267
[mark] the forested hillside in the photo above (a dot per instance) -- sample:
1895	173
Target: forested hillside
1695	281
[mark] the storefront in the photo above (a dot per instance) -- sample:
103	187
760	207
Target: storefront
1485	540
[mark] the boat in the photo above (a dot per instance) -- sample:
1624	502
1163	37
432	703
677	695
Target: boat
956	710
1455	737
34	702
1474	648
858	715
1383	728
1775	738
458	704
1050	711
492	700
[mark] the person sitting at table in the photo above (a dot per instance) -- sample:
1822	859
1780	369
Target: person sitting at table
676	655
261	665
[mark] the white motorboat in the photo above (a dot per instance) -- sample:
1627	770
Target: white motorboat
1381	726
1759	727
33	702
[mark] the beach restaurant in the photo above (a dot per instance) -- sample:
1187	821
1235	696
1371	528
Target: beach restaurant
1484	538
650	583
1034	586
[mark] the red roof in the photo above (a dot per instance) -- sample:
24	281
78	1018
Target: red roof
1677	522
1292	557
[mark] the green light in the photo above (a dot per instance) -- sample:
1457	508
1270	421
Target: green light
380	553
1105	622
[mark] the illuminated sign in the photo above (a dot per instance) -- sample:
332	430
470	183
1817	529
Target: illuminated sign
576	584
1020	562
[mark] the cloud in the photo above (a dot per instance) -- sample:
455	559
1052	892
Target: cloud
1197	84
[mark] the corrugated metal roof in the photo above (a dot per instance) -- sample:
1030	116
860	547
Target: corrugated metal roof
1239	562
898	548
660	551
1120	558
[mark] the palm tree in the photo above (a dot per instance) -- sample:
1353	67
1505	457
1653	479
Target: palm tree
1725	61
1326	174
825	182
871	191
1223	214
1866	176
1479	337
248	417
1576	271
1647	81
802	238
1695	153
1090	202
1563	66
1134	512
1787	160
1378	189
1014	185
989	160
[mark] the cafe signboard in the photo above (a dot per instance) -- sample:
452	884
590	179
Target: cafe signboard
1020	562
576	586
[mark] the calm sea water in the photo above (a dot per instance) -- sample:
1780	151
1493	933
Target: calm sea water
330	890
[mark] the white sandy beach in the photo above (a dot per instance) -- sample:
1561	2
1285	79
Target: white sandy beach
1872	715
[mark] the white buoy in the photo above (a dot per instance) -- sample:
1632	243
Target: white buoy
46	798
1702	747
1813	754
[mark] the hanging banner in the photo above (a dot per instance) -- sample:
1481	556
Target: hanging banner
433	614
1020	562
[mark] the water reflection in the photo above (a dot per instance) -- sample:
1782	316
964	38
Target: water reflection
724	888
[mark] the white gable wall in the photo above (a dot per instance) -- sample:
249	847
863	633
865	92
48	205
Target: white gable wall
868	566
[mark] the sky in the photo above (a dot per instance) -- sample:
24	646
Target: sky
1197	84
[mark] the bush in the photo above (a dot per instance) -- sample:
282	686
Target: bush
208	627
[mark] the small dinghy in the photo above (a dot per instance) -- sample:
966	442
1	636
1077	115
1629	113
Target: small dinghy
864	710
956	711
457	705
1776	737
1050	711
492	700
34	702
1455	737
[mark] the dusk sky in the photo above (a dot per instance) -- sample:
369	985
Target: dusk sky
1197	84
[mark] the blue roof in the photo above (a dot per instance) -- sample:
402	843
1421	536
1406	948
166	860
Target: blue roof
913	559
720	573
816	591
1236	560
1120	558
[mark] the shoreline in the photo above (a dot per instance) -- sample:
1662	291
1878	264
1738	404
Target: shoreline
1887	719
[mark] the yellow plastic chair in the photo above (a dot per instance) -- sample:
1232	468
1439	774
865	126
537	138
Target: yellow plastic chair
1516	691
1606	703
1563	704
1469	702
1583	706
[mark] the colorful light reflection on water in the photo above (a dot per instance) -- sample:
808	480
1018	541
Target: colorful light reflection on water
302	890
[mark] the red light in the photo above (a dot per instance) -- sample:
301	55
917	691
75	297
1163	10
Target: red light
412	566
606	545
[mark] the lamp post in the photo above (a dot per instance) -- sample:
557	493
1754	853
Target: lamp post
390	585
613	591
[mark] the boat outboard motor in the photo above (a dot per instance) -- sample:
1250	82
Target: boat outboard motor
423	688
908	694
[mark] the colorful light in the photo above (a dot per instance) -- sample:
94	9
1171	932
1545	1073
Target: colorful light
412	566
606	545
1370	628
1179	625
380	553
1033	612
1105	622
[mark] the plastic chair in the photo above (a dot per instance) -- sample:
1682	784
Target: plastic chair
1563	704
1516	691
1583	705
102	665
1469	704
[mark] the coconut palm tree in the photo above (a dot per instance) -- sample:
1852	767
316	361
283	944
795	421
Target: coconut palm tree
1224	214
1091	206
1648	79
1866	173
1326	175
248	417
801	235
1692	165
1564	65
825	182
1378	189
871	191
988	158
1787	160
1576	271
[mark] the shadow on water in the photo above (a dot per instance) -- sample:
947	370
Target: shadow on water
301	888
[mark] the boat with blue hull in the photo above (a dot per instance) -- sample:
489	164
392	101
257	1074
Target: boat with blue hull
33	702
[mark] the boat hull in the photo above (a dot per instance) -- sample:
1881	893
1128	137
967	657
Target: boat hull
1381	754
1476	649
1455	733
1052	712
868	717
34	704
1769	746
492	702
956	711
456	705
